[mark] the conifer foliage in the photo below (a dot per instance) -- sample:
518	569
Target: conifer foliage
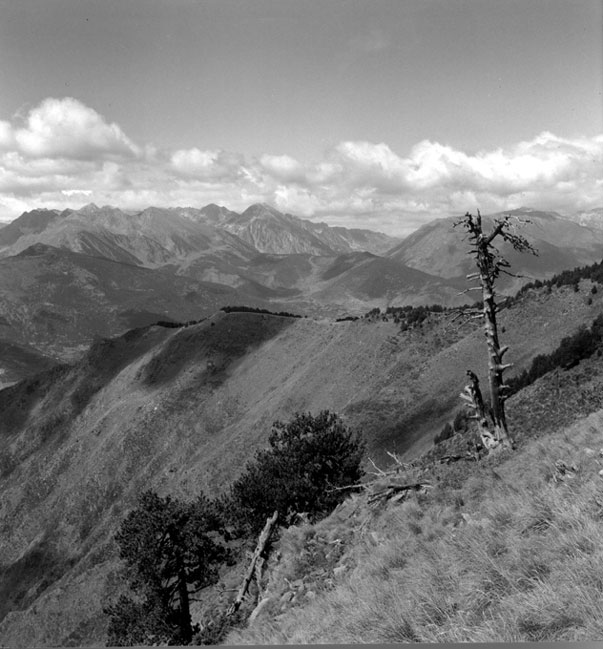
309	457
170	551
173	549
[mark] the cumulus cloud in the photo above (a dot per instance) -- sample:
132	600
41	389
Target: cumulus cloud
75	192
65	154
207	165
6	135
297	201
69	129
283	167
547	172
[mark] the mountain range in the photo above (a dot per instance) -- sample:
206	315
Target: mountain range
68	276
123	373
158	236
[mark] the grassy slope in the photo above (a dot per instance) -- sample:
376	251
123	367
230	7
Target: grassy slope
70	470
181	410
509	549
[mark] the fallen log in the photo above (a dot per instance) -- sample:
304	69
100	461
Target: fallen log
257	555
390	490
447	459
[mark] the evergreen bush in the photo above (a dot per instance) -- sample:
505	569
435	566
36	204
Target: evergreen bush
308	459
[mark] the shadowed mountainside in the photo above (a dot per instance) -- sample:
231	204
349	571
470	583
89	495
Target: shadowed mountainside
179	410
351	283
53	302
20	361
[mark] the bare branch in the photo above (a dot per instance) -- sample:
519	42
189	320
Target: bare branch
377	471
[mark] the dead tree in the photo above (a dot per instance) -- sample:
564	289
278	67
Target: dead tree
490	264
255	568
473	399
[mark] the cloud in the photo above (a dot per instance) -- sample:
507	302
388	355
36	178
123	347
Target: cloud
283	167
207	165
6	135
67	128
75	192
363	164
65	154
297	201
548	171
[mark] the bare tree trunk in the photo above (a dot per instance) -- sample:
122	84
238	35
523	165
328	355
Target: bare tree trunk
262	541
495	351
184	614
473	397
489	265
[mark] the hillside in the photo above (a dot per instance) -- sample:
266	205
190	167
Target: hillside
296	264
501	550
349	284
505	550
54	302
20	361
179	410
439	248
97	271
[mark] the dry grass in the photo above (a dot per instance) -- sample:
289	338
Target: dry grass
514	553
75	478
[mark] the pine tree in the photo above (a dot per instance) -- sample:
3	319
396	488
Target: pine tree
170	552
308	457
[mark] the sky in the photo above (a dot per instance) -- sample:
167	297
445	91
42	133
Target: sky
364	113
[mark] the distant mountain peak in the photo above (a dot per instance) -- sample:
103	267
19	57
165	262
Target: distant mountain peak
261	209
90	208
217	212
212	208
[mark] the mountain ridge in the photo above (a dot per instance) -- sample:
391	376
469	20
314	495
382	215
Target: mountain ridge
333	273
439	248
177	410
249	226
